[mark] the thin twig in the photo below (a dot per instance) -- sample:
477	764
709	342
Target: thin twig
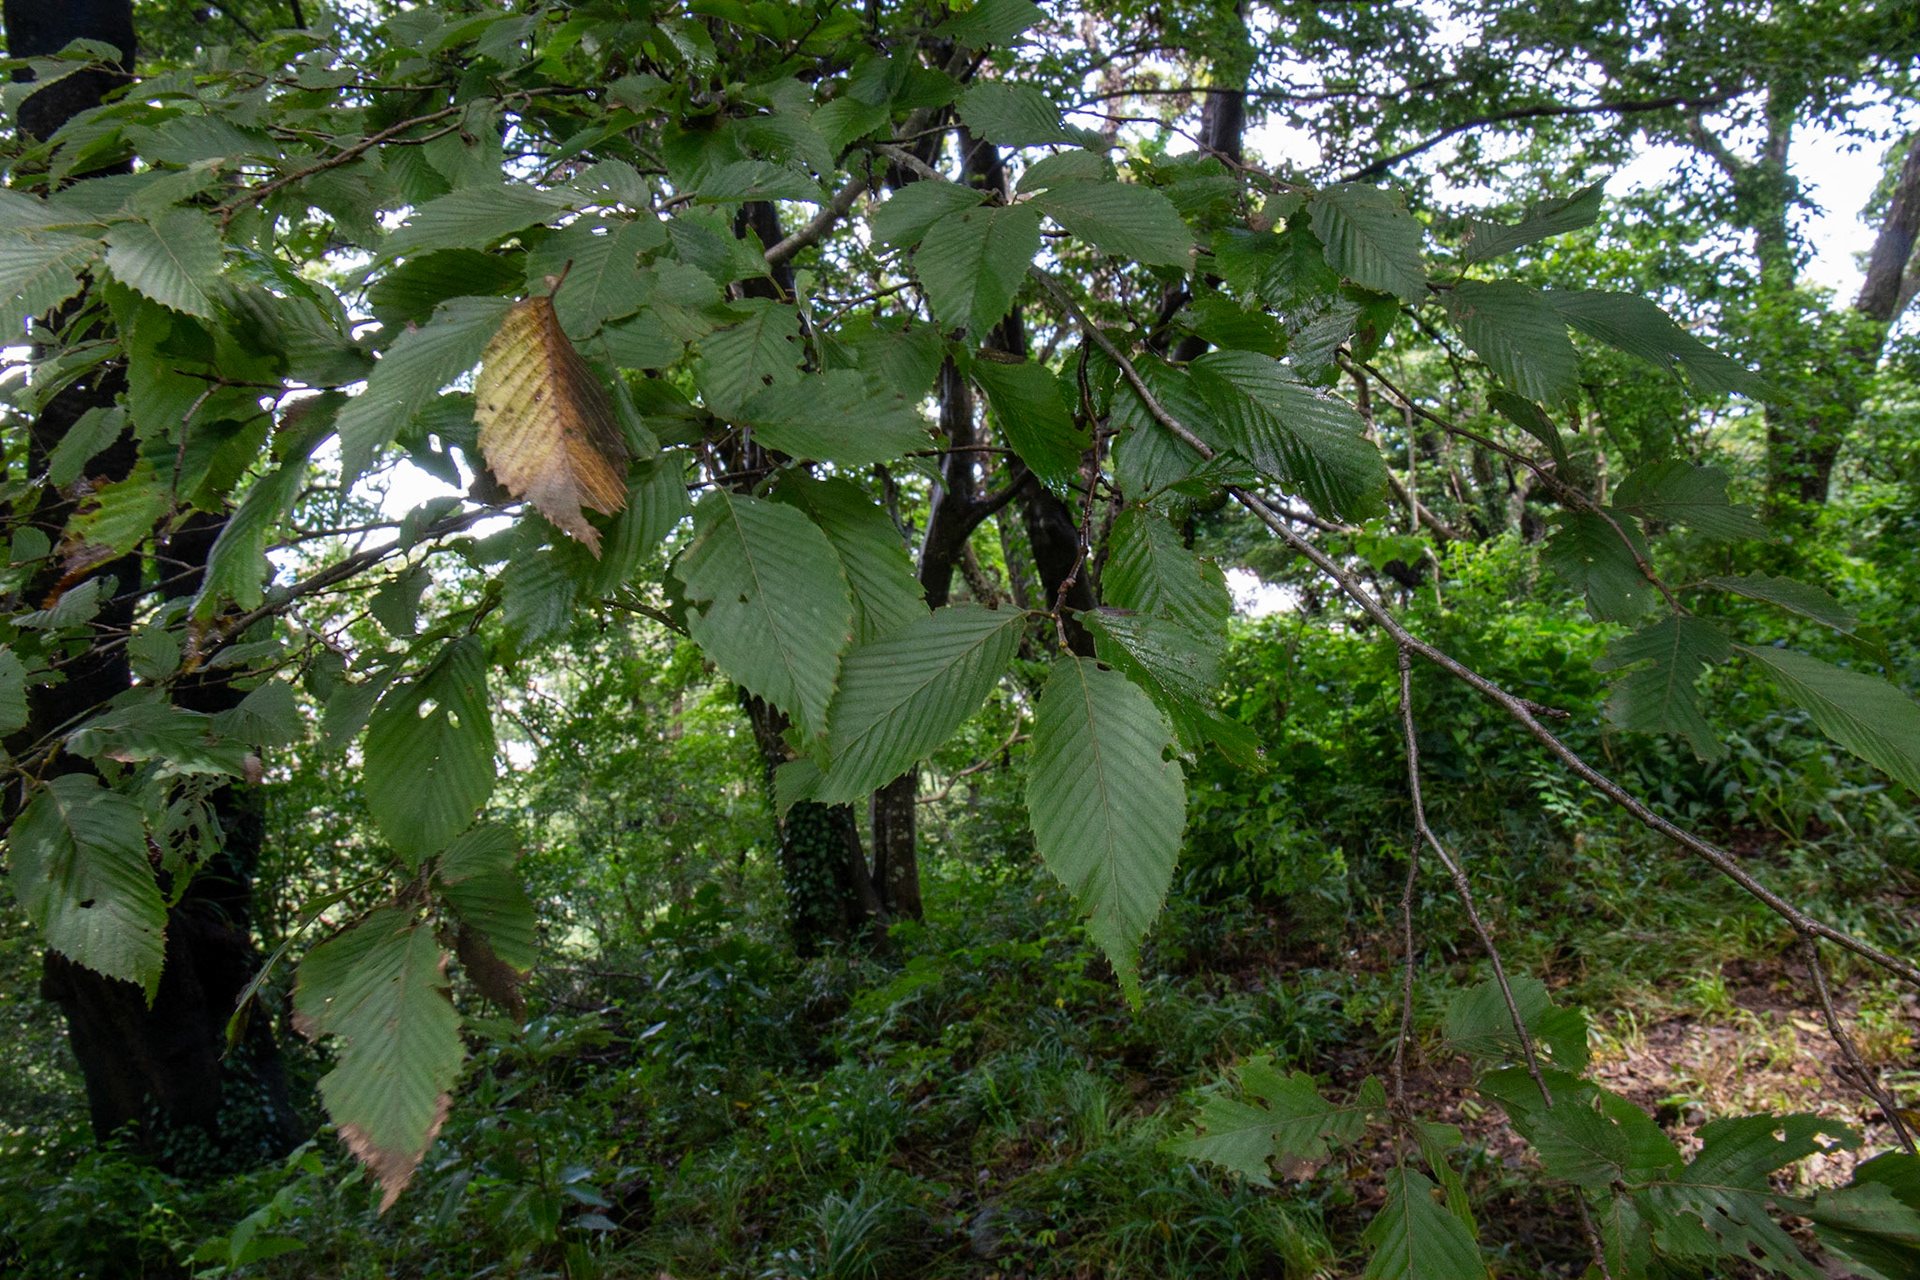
1868	1081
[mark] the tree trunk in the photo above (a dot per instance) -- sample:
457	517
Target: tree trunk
161	1071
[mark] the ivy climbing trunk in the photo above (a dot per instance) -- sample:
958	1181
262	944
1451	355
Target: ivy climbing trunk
160	1071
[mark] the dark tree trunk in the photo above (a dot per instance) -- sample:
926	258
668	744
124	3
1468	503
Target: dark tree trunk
163	1071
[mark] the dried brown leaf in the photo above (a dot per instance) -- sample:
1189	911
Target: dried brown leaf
547	428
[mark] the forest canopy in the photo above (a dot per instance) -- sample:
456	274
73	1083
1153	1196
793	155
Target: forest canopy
779	639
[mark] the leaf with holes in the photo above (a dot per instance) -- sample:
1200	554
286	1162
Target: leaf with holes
1107	807
430	753
380	989
761	351
81	873
768	602
546	423
905	694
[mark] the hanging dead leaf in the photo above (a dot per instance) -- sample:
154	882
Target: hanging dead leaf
546	426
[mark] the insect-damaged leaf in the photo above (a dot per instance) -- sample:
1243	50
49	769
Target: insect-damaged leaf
546	425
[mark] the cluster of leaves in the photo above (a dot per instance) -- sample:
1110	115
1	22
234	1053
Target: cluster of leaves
655	352
1650	1205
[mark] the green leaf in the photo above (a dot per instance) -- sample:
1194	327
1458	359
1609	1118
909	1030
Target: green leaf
1147	458
380	989
1065	166
1863	713
906	359
1012	115
13	691
1034	419
412	372
1528	416
1150	571
1873	1223
836	417
1107	808
409	292
604	281
886	595
476	875
1663	698
905	694
1678	492
80	872
1589	556
761	351
171	259
1519	334
1795	597
237	566
38	272
430	753
120	514
1640	328
768	602
97	428
1717	1207
1486	240
656	502
473	218
1312	443
537	594
1370	239
396	605
758	180
137	731
268	716
76	606
1414	1238
1286	1119
846	120
1180	670
1122	219
1479	1023
972	262
991	23
1287	270
904	219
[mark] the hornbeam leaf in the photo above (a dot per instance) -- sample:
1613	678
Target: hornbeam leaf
991	23
1371	239
418	364
972	262
80	872
1310	442
13	691
1662	698
430	753
836	417
473	218
1122	219
38	272
1519	334
1107	807
768	602
758	180
1294	1123
1180	670
546	425
1556	217
1414	1238
886	595
1795	597
476	874
1013	115
1682	493
1640	328
1865	714
905	218
1874	1222
904	695
1150	571
762	350
171	260
1588	554
380	989
1033	419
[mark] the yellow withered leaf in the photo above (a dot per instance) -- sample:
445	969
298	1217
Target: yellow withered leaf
546	426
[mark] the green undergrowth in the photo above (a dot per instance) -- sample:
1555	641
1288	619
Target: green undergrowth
975	1099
